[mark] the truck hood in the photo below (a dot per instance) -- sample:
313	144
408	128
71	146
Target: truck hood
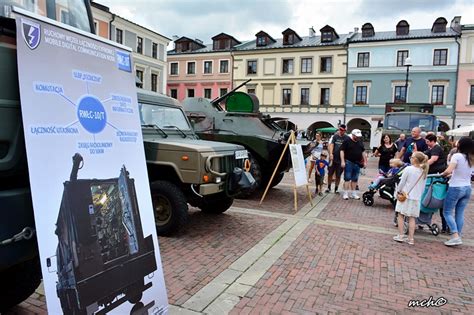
191	145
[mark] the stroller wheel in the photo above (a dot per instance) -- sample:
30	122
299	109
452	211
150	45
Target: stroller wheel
368	199
434	229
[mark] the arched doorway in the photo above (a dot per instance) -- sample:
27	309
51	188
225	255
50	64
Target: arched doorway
364	126
443	127
317	125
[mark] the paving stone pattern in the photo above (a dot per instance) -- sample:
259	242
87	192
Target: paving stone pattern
329	270
208	245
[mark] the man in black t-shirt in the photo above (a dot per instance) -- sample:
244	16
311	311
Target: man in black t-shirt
413	144
353	157
335	158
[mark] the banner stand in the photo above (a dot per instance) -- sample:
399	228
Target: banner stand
291	140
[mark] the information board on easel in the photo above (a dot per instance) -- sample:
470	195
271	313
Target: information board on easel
299	169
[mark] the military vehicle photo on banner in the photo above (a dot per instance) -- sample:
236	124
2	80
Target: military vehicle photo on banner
95	226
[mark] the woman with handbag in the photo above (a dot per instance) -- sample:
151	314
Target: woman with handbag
461	167
409	191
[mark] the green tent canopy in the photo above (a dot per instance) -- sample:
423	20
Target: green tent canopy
327	129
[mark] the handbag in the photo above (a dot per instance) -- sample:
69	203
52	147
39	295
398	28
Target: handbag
402	196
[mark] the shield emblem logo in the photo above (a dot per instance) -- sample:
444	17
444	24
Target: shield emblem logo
31	33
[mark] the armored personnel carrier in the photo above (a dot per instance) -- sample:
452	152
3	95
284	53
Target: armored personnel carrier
242	123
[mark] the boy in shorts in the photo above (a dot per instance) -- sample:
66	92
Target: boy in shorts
321	164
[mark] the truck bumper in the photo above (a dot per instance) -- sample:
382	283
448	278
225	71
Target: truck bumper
209	189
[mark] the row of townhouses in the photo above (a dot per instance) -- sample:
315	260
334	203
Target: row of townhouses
319	80
325	79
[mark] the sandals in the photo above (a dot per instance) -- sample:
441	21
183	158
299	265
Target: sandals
410	241
403	239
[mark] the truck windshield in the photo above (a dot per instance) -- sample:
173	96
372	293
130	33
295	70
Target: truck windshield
70	12
408	121
163	117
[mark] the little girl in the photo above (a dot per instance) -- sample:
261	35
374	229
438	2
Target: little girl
395	165
413	184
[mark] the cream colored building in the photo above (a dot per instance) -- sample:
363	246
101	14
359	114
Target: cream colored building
298	77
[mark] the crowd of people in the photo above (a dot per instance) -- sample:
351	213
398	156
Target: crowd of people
421	154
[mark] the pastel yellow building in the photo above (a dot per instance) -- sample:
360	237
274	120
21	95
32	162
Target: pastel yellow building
301	77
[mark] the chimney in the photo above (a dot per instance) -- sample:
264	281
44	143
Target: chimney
456	24
356	30
312	32
175	38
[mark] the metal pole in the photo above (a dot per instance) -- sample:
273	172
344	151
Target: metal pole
406	84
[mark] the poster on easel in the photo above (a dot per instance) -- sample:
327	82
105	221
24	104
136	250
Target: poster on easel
93	213
298	165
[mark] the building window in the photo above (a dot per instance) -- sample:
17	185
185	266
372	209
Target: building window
286	100
190	92
207	66
252	67
261	41
440	57
324	96
65	17
437	94
207	93
363	59
224	66
139	74
174	68
174	93
361	95
191	68
139	45
402	55
119	36
326	64
471	97
306	65
154	82
326	36
96	27
222	91
304	96
287	66
154	50
400	94
251	91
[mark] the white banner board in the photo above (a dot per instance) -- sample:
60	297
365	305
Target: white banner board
299	168
93	212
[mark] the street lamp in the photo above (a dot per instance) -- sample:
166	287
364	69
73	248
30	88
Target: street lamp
408	64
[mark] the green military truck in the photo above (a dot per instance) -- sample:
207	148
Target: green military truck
183	169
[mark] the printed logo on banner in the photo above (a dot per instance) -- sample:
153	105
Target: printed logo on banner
123	61
31	33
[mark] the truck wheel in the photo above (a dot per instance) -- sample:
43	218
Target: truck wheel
216	206
18	283
169	206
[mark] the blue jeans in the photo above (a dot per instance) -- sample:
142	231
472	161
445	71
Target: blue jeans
351	172
454	204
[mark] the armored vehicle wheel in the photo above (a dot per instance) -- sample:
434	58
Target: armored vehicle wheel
169	206
216	206
277	179
18	283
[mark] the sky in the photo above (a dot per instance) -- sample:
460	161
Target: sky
203	19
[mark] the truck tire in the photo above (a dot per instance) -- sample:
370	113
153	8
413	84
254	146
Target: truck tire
169	207
18	283
216	206
277	179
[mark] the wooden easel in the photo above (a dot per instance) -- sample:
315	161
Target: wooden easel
291	140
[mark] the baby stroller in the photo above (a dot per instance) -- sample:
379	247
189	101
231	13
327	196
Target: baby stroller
431	201
385	188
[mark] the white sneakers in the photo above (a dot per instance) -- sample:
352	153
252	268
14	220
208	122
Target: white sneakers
453	242
354	195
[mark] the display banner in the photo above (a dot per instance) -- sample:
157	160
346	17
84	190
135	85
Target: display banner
299	168
93	212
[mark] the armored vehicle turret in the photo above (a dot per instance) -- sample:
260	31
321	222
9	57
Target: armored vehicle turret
241	122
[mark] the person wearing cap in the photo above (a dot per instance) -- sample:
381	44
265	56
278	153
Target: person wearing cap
334	157
353	157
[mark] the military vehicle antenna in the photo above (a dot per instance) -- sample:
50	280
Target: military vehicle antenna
216	101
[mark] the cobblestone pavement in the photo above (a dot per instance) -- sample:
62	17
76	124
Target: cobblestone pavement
334	256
